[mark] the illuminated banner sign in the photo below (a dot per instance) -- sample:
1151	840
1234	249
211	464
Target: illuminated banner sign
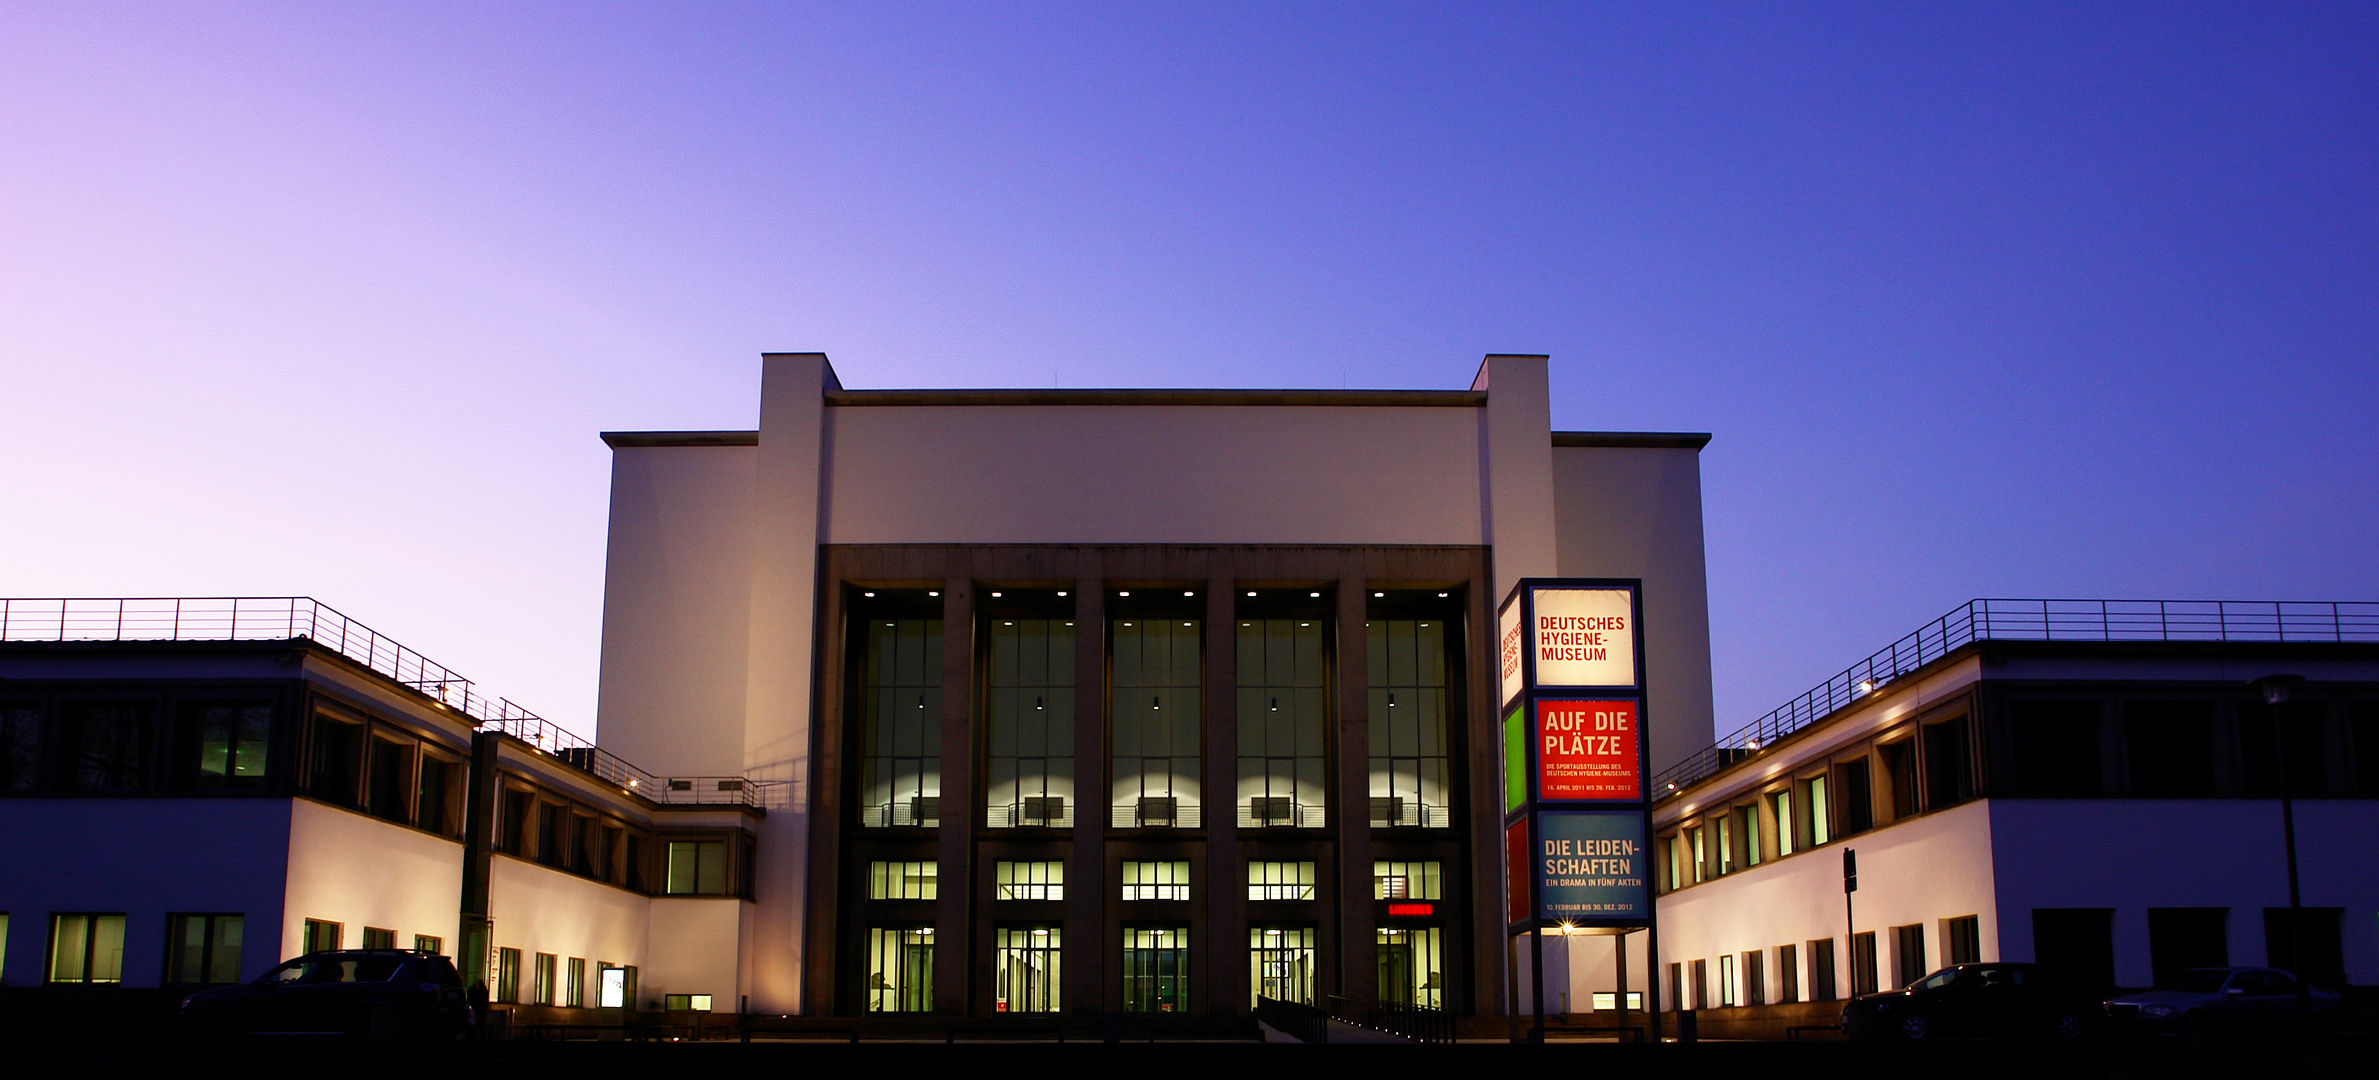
1591	866
1582	637
1587	750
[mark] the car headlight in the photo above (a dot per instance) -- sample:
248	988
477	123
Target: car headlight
2155	1012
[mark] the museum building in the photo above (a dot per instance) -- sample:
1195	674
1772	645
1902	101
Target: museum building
1075	703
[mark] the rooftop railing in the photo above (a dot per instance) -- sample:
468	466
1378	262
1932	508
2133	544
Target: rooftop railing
289	618
2034	620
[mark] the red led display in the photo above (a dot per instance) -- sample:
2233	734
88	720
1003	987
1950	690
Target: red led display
1413	909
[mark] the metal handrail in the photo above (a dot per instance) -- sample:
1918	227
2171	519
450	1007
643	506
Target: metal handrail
290	618
1999	619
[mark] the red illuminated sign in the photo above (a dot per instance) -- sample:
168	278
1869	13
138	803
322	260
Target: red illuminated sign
1587	750
1410	909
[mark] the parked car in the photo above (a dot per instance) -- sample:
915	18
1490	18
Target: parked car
1977	1000
363	993
2198	1002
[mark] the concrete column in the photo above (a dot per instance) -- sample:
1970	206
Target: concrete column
1225	948
777	675
1516	444
954	948
1358	942
1088	943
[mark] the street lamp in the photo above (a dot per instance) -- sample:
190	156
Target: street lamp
2275	689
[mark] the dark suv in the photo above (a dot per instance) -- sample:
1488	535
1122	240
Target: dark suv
363	993
1977	999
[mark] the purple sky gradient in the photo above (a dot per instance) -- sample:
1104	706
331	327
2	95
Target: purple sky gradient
2074	300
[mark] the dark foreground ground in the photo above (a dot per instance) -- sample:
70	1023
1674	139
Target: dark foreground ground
2327	1056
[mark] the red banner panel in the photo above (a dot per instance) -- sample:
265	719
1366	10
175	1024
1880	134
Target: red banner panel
1587	750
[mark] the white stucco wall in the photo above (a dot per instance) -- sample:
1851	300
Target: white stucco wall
676	594
1636	512
538	909
696	949
359	871
144	858
1924	870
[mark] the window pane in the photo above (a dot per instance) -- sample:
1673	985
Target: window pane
1409	972
1156	969
1029	723
1025	969
1410	767
1281	720
1281	963
112	741
900	969
20	745
1154	711
900	714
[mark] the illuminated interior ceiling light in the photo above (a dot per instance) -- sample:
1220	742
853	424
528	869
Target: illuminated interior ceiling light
1378	595
1040	933
1275	704
1316	596
1251	592
1271	933
1061	592
1123	592
995	594
933	592
1441	596
1391	699
1189	624
869	595
1156	703
1008	623
1186	592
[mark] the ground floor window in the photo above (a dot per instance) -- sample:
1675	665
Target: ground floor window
2077	941
1409	968
1726	982
86	948
615	987
1281	962
376	938
545	978
686	1002
900	969
1156	969
1863	971
1788	974
202	949
574	983
1965	940
429	944
1024	969
322	936
1822	980
2180	938
2314	949
508	975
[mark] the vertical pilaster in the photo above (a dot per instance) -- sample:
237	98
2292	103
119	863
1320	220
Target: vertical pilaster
1089	943
1358	971
1516	440
954	947
1224	982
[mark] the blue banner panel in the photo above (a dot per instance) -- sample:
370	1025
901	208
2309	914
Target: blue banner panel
1591	866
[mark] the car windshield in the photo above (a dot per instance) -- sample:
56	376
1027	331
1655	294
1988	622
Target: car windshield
2194	980
333	969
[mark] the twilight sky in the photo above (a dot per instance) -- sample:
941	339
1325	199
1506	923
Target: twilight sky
1979	300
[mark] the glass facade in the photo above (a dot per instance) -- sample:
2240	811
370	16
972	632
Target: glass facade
902	880
1156	969
87	949
1025	969
1156	712
1410	972
1280	963
900	740
233	744
1029	881
1282	717
1394	880
1029	723
1280	881
900	969
1410	765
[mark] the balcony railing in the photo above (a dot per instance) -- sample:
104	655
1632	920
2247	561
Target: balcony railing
289	618
2034	620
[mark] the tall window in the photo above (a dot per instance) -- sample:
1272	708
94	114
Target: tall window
1409	970
574	982
1156	969
334	760
201	950
1396	880
1747	822
1908	954
1822	981
1811	826
376	938
234	741
1788	974
900	736
1726	981
900	969
1155	709
1029	881
1949	763
2168	747
697	868
1024	969
1280	881
1281	717
87	948
902	880
20	745
1780	818
1858	798
1409	708
439	791
1281	962
429	943
112	741
1029	726
1965	939
1862	964
508	976
390	791
545	979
